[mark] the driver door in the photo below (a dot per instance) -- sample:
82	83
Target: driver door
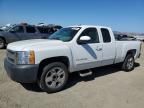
16	34
88	55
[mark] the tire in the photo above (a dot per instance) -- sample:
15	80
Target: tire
2	43
128	64
54	77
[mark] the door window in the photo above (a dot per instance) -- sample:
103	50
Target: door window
30	29
18	29
91	32
43	30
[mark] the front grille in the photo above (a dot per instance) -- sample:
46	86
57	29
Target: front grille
11	56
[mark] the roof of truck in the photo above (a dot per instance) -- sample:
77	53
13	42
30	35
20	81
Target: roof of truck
85	26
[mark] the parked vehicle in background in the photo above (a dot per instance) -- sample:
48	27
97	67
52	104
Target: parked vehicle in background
51	28
50	61
121	37
25	31
141	38
129	36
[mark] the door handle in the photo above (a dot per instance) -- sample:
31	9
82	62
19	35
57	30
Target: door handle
99	49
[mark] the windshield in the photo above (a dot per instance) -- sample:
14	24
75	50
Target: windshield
65	34
7	28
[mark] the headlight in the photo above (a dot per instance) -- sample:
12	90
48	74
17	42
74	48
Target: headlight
25	57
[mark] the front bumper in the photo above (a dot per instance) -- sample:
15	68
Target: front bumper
21	73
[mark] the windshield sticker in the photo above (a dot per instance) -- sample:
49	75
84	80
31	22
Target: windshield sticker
75	28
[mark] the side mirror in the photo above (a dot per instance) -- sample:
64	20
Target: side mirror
84	39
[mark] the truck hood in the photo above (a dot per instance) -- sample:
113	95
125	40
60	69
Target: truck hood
33	44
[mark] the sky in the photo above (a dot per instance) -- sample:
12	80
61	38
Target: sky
121	15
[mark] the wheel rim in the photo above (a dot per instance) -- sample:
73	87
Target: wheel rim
1	43
130	63
55	77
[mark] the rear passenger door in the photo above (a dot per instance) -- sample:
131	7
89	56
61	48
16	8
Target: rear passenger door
108	47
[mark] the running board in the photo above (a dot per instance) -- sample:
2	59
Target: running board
85	73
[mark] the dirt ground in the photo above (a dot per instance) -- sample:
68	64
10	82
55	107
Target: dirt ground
108	87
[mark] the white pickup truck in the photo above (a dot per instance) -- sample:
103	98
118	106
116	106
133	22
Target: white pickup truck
50	61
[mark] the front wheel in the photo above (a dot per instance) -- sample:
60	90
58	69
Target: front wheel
128	64
2	43
54	77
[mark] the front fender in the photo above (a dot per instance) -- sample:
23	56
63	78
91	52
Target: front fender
5	37
51	52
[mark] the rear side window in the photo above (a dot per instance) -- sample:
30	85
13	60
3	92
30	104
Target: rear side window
43	29
106	35
30	29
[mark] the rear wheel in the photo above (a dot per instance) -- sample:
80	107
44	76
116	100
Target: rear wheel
2	43
54	77
128	64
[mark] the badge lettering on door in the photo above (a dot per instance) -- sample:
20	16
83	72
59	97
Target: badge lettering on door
82	59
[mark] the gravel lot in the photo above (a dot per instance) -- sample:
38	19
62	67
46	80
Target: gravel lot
108	87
